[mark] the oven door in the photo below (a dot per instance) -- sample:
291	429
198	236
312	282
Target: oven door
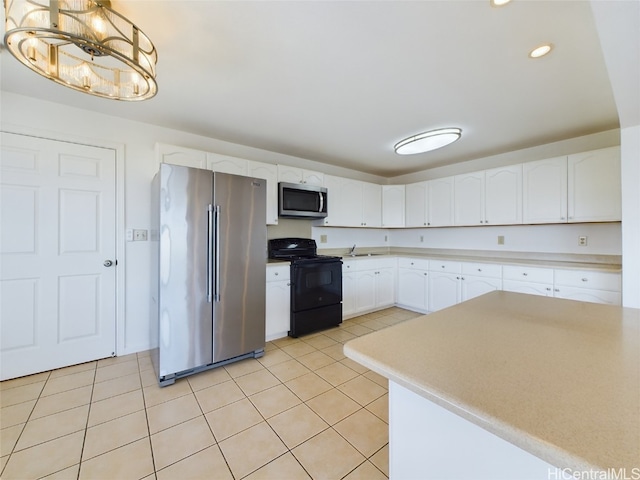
315	284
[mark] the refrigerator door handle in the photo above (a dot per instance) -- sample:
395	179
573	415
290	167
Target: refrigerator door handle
210	254
321	202
216	240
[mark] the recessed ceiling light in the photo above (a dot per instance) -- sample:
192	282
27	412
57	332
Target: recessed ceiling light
540	51
427	141
499	3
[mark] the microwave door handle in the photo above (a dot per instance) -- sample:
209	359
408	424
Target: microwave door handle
321	202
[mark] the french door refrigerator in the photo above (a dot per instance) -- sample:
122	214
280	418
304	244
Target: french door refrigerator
209	256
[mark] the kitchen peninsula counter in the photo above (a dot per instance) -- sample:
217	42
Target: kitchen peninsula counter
557	378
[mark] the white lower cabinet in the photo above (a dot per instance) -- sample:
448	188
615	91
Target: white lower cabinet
444	284
588	286
413	289
480	278
371	285
278	302
531	280
348	291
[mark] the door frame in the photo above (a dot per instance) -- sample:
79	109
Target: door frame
119	148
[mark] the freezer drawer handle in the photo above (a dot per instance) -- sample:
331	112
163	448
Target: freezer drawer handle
209	253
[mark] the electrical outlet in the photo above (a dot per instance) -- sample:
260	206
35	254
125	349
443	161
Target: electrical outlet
323	239
139	235
582	240
500	239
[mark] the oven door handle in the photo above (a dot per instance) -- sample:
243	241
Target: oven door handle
321	202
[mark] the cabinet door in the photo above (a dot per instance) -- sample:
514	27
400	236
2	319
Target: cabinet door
348	294
473	286
278	309
503	196
544	191
226	164
336	210
415	213
594	186
289	174
269	172
385	287
371	205
412	289
351	203
587	295
469	199
365	291
444	290
440	202
313	178
185	157
393	206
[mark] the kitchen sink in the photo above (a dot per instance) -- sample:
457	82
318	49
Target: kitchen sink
363	254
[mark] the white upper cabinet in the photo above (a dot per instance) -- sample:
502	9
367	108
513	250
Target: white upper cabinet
298	175
371	205
352	203
489	197
269	172
336	214
415	212
469	199
594	191
503	195
393	205
544	191
440	200
185	157
227	164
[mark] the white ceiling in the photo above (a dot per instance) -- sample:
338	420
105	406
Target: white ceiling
341	82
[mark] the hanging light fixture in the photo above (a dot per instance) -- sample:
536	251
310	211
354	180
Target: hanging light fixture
84	45
427	141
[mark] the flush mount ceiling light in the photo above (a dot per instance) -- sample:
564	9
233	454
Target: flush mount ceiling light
84	45
427	141
541	51
499	3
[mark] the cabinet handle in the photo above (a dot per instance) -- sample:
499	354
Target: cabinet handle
479	269
548	289
525	274
561	218
428	223
275	273
425	274
288	284
442	266
585	279
556	289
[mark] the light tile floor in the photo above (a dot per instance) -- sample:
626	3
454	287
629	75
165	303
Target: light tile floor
302	411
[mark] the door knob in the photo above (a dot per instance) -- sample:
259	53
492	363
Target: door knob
107	263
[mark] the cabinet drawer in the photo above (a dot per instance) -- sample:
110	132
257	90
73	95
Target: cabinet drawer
528	274
278	272
482	269
445	266
588	279
414	263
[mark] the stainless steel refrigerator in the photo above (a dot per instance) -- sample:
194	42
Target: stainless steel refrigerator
209	255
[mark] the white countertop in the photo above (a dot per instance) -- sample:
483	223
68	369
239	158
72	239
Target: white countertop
558	378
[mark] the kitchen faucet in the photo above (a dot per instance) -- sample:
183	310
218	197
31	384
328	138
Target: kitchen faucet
352	252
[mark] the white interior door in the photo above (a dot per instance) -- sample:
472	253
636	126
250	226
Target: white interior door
57	230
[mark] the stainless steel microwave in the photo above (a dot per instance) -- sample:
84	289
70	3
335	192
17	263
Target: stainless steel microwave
299	200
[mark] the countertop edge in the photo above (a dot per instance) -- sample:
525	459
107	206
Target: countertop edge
519	438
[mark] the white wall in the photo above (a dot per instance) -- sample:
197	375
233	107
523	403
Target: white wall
630	152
